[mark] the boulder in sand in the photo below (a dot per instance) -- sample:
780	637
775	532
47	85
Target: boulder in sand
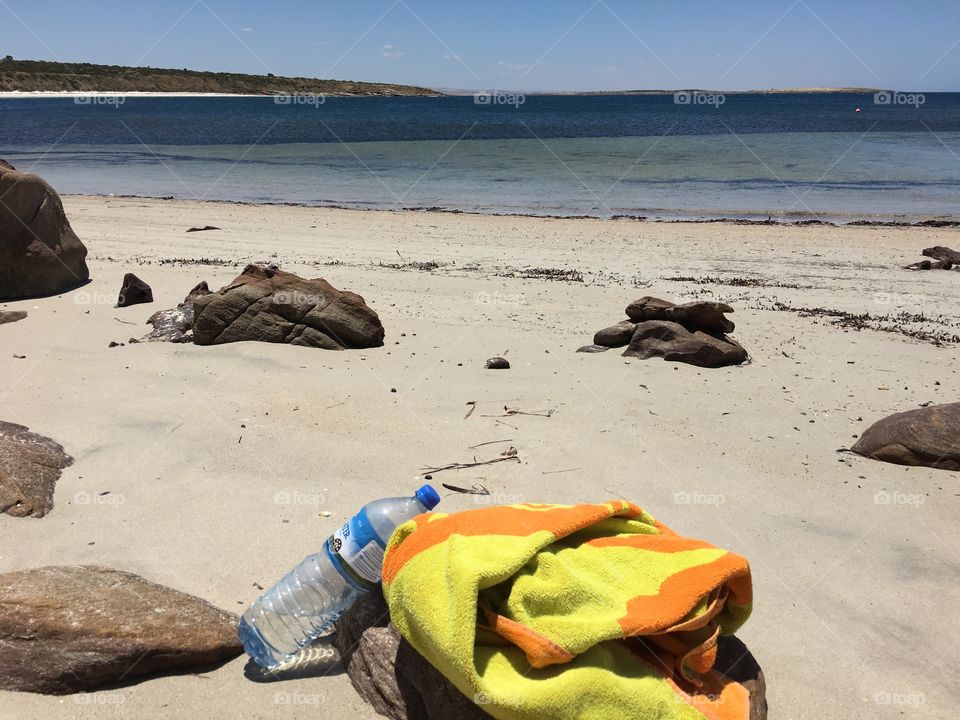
270	305
697	315
400	684
672	341
176	325
134	291
927	436
943	254
77	628
616	335
30	466
497	363
39	252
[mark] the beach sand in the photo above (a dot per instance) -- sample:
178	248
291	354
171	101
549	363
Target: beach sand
220	460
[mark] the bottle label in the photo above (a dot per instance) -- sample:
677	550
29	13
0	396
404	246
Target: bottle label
359	551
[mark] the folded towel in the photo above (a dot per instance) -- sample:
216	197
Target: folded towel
561	612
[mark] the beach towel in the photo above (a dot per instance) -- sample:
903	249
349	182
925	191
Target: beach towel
561	612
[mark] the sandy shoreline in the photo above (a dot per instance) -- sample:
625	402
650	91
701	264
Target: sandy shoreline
652	215
851	592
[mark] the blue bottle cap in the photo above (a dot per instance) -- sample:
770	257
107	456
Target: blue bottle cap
428	497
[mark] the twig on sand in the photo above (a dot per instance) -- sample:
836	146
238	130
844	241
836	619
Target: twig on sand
514	427
476	489
473	406
125	322
489	442
554	472
507	455
507	412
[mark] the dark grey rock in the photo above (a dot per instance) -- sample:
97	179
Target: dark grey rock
134	291
697	315
497	363
672	341
615	336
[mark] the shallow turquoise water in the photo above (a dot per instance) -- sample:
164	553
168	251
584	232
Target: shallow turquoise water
898	162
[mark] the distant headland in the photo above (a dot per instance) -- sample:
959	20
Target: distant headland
53	77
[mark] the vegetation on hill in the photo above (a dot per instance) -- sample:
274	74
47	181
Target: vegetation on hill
38	75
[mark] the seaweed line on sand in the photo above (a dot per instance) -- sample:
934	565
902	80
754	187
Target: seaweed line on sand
902	323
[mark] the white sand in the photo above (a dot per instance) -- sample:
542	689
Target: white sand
854	599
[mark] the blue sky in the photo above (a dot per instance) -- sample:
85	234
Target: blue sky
512	45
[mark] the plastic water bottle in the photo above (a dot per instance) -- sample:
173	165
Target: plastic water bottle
308	601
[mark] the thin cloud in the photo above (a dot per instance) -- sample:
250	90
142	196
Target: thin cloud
388	51
512	67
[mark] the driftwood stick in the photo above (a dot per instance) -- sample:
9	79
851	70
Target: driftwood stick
464	466
508	412
490	442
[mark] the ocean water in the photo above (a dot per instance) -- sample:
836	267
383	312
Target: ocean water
789	156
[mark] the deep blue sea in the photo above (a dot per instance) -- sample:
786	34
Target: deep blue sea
790	156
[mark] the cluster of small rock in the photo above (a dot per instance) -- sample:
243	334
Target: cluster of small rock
694	333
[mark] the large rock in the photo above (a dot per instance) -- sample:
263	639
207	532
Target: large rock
400	684
134	291
72	629
616	335
269	305
176	325
927	436
944	255
39	252
648	308
697	315
30	466
672	341
390	674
